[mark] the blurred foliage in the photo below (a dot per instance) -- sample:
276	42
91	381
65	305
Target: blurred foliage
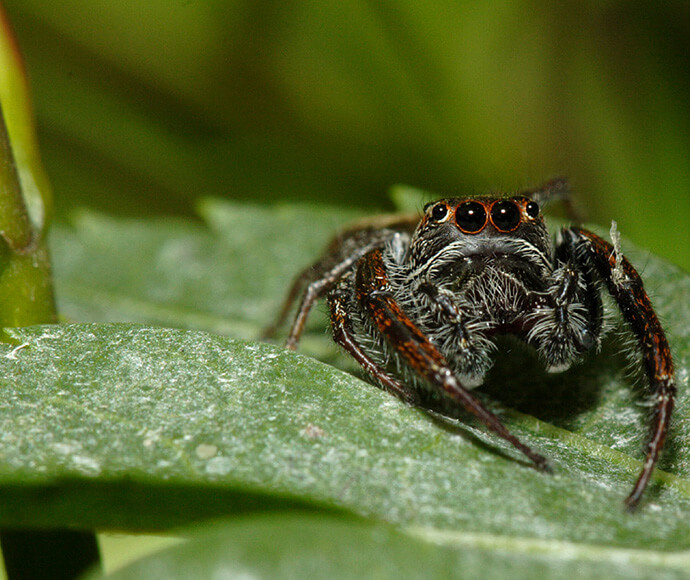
143	107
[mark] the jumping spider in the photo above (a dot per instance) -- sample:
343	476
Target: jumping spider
420	303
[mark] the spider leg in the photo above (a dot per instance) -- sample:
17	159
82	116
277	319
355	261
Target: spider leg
298	286
315	281
557	188
343	335
415	349
625	286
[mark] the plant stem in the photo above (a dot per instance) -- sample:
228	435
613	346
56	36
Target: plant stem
26	297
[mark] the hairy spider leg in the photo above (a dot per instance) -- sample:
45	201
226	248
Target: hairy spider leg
343	335
625	286
315	281
405	338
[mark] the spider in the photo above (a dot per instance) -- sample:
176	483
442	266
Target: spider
419	304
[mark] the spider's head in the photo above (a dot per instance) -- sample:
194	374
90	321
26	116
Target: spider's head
479	224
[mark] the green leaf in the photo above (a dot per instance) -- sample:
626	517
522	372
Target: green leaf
130	427
137	427
286	546
229	277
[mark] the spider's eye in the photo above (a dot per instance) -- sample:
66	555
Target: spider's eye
471	217
505	215
439	212
532	209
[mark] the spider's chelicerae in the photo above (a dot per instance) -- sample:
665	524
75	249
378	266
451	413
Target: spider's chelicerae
419	303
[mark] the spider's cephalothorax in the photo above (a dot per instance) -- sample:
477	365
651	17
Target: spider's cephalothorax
419	303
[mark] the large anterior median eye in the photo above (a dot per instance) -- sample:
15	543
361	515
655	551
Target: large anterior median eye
471	217
505	215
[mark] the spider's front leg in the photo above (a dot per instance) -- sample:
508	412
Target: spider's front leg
625	286
415	349
343	334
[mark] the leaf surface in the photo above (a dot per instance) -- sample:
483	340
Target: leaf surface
299	545
103	411
134	426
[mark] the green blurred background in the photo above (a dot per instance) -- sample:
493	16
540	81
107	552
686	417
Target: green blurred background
143	107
